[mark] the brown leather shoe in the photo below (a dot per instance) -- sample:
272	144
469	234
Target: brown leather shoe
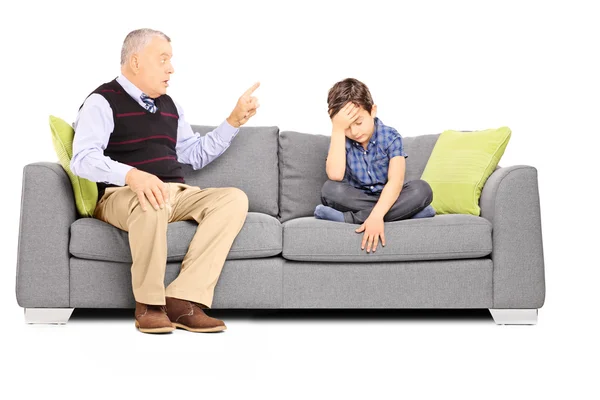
189	315
152	319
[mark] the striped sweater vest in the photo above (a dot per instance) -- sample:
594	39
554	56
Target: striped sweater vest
140	138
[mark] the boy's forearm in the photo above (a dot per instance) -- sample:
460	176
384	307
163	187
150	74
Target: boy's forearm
388	197
336	158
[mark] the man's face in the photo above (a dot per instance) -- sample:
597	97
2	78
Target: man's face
362	129
154	67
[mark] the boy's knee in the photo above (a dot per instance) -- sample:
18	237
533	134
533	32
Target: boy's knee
332	190
424	189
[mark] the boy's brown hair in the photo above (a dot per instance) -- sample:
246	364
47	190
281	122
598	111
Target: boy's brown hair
348	90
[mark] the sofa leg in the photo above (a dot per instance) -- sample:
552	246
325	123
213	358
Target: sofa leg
47	315
514	316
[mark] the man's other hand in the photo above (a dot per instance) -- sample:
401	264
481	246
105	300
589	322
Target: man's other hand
147	186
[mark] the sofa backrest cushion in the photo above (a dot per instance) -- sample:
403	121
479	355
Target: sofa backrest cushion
302	173
250	164
302	159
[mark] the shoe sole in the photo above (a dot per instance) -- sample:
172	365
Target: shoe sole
164	329
212	329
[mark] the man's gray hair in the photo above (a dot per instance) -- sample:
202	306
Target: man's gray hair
136	40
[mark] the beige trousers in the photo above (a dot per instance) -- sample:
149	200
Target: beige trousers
220	214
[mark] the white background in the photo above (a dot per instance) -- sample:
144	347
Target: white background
431	66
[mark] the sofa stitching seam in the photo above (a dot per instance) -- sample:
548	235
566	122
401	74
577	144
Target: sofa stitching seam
396	254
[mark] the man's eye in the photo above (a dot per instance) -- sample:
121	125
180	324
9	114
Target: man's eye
162	60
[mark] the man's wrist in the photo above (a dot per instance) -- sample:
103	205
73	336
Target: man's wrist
128	175
233	122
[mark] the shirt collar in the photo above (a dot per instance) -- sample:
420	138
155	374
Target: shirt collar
378	126
130	88
373	140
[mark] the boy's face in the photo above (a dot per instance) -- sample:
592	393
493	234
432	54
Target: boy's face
362	129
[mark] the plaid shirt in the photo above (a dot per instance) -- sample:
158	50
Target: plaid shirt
368	169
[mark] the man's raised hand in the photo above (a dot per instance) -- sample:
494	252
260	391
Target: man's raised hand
245	108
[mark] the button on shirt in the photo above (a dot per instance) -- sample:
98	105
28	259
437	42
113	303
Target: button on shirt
95	123
368	169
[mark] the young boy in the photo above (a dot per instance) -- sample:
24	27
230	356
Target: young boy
365	167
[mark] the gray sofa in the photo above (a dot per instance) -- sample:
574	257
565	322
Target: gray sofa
284	257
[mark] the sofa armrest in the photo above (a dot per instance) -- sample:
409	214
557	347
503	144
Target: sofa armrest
47	212
510	201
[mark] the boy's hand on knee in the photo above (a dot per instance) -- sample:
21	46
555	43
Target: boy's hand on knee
373	229
147	186
345	117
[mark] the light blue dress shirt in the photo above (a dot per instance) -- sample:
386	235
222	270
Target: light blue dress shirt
94	125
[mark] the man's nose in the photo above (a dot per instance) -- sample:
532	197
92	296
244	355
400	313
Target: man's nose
354	129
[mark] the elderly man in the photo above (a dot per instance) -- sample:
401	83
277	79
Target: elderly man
130	138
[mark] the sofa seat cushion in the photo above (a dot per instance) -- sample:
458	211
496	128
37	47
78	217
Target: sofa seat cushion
443	237
92	239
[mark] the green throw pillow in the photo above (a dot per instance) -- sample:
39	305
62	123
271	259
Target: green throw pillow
85	191
459	166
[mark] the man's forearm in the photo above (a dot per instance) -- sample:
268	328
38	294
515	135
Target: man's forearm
96	167
199	151
336	158
388	197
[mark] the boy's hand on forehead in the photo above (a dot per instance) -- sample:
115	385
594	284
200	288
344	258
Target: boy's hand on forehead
345	117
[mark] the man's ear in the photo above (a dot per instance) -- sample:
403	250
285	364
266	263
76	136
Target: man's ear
374	111
134	63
